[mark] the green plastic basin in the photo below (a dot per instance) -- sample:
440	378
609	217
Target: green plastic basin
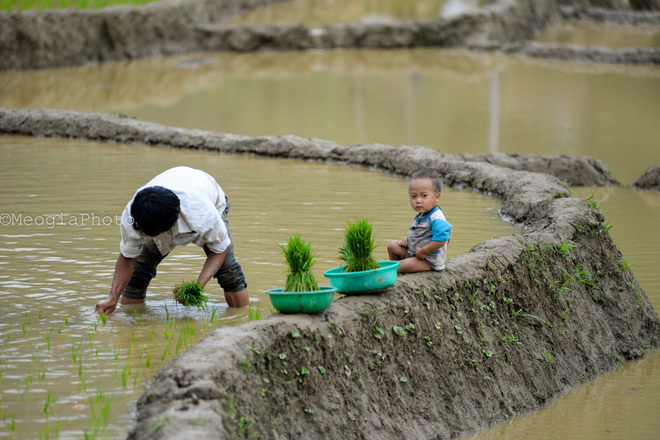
365	281
302	302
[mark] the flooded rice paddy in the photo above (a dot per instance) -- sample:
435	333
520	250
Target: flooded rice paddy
595	34
64	372
451	100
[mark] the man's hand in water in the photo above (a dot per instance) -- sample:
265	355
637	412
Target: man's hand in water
106	307
123	272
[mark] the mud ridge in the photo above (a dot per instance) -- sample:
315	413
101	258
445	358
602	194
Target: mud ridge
649	180
572	169
610	16
36	39
584	54
507	326
56	38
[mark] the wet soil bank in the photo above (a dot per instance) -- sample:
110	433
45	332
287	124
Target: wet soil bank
649	180
69	37
515	321
56	38
574	170
607	12
616	16
570	169
584	54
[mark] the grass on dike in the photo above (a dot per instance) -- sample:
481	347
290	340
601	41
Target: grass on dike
22	5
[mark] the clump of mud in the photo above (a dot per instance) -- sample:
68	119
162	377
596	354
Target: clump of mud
650	179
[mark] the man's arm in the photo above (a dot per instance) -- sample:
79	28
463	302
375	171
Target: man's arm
123	273
211	266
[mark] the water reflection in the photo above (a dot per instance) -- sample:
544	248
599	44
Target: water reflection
594	34
451	100
494	114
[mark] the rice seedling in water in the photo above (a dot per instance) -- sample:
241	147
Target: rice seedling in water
358	247
190	326
152	334
124	375
181	342
254	313
100	414
190	294
90	336
167	350
26	324
48	338
75	349
48	406
298	256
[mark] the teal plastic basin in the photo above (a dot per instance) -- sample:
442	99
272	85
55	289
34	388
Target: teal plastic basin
302	302
365	281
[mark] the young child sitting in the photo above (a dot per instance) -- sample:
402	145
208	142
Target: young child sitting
425	248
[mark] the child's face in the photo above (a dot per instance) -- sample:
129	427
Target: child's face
423	196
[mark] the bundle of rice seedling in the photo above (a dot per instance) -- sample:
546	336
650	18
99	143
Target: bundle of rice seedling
358	247
190	294
298	256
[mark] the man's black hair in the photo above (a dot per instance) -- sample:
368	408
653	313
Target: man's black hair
154	210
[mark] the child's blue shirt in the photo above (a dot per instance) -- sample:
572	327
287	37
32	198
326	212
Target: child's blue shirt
431	226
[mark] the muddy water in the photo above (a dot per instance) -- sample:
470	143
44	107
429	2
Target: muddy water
618	405
59	239
316	13
594	34
450	100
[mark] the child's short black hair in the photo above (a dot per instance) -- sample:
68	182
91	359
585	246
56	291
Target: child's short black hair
437	183
154	210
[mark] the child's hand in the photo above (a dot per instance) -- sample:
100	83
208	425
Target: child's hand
419	253
404	242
